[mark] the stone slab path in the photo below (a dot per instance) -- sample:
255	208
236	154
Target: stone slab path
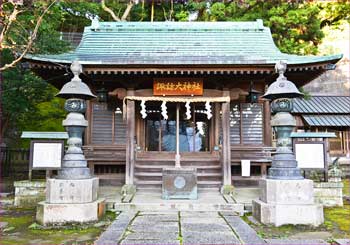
182	228
174	228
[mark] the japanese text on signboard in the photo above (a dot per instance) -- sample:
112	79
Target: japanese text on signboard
178	87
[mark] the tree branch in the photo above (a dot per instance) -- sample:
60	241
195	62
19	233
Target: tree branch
105	8
127	10
12	18
31	39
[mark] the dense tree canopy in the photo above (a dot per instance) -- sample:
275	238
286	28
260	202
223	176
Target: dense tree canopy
28	101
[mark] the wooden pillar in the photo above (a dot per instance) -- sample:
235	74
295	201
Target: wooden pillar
267	124
130	144
217	124
226	149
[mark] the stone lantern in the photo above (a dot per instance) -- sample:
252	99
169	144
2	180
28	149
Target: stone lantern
72	195
284	165
285	196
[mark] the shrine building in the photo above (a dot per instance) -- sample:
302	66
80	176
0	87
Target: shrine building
204	77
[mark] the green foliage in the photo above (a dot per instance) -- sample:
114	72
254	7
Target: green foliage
295	26
28	104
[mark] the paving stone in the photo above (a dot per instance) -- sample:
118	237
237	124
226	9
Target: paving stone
343	241
153	222
206	227
228	213
296	241
154	235
116	230
209	238
148	242
194	220
245	233
154	228
158	218
200	214
159	213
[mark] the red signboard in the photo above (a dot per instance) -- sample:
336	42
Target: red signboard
189	86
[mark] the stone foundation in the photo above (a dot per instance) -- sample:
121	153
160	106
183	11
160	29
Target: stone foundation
284	202
282	214
70	201
329	194
53	214
72	191
29	193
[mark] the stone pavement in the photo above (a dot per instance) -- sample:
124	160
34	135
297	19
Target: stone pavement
178	228
186	227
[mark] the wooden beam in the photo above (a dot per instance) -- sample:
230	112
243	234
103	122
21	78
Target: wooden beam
130	135
226	150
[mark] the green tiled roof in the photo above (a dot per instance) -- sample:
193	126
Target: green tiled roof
179	43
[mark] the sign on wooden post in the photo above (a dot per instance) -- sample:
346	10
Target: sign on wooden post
177	86
45	155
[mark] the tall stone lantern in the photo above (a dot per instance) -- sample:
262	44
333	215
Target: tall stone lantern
285	196
72	195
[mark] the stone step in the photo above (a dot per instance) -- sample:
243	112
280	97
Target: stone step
146	184
184	205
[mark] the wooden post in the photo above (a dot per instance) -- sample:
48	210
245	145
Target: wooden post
130	145
267	124
177	155
217	124
226	149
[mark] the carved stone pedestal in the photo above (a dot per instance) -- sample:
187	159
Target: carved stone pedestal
179	183
70	201
284	202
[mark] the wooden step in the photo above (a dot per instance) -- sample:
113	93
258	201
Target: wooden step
157	174
141	166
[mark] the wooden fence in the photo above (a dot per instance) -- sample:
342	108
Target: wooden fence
14	162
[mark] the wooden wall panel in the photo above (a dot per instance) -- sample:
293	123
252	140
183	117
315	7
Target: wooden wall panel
119	129
246	124
102	117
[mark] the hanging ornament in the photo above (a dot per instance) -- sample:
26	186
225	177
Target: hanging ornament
188	110
164	110
143	109
208	110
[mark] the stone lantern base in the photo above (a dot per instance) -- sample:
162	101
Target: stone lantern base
70	201
284	202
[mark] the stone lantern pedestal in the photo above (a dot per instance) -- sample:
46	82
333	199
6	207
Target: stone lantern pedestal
285	196
287	202
71	197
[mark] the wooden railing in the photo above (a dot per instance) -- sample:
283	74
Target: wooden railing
105	159
14	162
256	154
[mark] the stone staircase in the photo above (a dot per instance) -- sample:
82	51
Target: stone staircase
149	165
